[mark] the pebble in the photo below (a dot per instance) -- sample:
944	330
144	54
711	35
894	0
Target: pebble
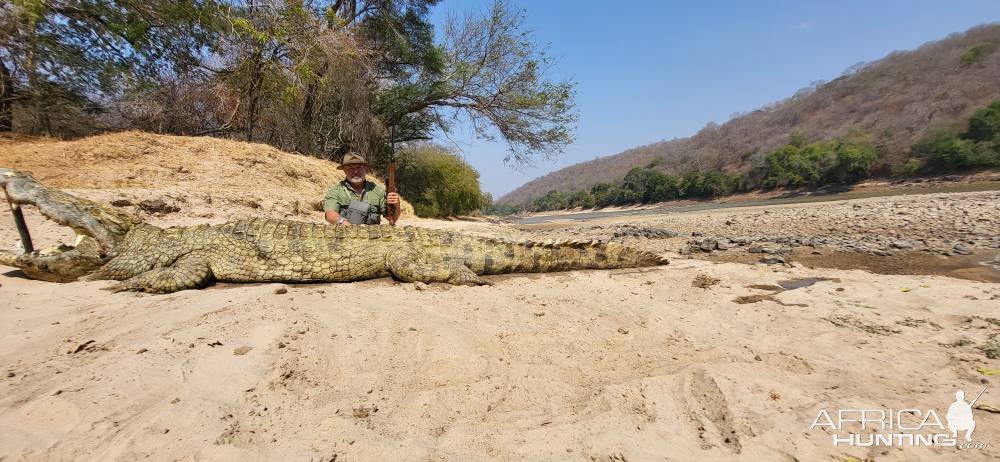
281	290
242	350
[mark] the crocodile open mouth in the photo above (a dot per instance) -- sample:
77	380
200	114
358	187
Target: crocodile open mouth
98	229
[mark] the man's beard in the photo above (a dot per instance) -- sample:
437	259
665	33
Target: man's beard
356	180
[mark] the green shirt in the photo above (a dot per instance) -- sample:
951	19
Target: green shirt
340	196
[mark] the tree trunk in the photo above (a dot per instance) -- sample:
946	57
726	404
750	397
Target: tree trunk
6	99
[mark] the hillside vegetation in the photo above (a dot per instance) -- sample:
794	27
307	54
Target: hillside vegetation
898	105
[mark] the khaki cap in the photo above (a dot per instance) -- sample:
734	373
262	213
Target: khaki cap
352	158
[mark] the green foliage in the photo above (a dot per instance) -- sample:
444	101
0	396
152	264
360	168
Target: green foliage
976	53
67	58
911	167
978	147
984	125
502	210
800	163
438	183
946	152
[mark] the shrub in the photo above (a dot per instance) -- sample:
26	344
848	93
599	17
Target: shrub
976	53
799	163
946	152
984	125
911	167
438	183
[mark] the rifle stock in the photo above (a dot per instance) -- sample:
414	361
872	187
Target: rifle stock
390	185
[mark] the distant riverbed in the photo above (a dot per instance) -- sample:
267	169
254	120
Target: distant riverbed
687	206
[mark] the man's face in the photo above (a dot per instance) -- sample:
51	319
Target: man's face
356	173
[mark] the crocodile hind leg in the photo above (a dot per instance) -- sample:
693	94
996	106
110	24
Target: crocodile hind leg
410	267
191	271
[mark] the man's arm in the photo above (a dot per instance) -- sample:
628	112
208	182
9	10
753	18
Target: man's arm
331	205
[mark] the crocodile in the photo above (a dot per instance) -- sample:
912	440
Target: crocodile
113	244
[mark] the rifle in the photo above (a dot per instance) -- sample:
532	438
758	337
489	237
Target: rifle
973	403
390	182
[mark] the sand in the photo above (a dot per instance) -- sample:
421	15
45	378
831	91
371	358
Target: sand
644	364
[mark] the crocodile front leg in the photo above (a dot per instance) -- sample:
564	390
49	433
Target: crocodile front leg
410	267
190	271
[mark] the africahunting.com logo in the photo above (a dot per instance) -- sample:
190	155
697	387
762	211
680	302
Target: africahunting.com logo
903	427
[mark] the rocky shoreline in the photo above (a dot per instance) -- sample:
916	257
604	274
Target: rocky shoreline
945	225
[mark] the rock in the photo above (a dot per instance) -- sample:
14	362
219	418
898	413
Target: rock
723	244
242	350
622	330
88	345
772	260
281	290
902	244
644	232
157	206
707	244
419	285
121	203
768	250
10	374
141	351
704	281
961	249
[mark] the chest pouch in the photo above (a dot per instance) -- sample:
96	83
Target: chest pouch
357	212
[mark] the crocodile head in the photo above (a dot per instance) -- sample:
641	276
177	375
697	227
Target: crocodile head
99	230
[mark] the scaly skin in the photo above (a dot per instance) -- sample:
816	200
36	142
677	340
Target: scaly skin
151	259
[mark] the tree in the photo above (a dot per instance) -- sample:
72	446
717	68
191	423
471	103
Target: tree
65	59
489	72
438	183
984	125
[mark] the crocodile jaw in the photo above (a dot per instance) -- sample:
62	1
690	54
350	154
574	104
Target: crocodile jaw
99	229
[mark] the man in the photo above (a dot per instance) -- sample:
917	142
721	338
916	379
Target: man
357	200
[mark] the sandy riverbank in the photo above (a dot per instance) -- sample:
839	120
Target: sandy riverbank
589	365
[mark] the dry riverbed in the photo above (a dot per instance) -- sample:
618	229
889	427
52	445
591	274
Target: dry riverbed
948	233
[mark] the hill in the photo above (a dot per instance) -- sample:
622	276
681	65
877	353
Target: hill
897	100
197	175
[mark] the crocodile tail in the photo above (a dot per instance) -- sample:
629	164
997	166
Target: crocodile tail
538	257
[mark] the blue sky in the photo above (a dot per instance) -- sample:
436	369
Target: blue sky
654	70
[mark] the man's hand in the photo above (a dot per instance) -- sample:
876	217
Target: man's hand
392	199
334	218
